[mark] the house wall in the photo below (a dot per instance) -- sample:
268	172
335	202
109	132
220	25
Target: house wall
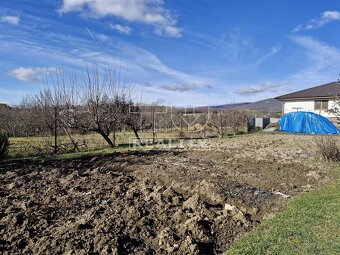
306	106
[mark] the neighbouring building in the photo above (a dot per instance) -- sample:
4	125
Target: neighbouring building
318	99
4	106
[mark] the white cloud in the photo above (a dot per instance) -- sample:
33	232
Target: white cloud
102	37
149	61
31	74
272	52
183	87
322	62
320	66
150	12
140	63
256	89
250	90
180	87
321	55
171	31
13	20
121	29
325	17
234	44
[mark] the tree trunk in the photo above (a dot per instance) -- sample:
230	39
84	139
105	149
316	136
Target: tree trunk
74	143
137	135
153	127
55	131
114	135
222	131
107	138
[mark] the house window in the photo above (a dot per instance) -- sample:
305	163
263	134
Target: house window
321	105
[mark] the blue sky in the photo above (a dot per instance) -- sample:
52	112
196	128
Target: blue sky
182	52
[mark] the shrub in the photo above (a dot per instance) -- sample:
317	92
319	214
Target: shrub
328	149
4	145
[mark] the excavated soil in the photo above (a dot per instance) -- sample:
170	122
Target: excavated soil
195	199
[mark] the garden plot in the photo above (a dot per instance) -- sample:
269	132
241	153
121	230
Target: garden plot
190	200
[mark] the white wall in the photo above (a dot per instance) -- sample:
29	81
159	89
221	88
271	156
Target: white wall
306	106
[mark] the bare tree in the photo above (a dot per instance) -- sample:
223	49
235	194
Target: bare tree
336	106
236	119
133	118
46	106
218	122
50	105
96	102
20	121
102	98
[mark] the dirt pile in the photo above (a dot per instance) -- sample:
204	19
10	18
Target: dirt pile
105	211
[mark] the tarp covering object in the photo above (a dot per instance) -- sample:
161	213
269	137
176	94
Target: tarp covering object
307	123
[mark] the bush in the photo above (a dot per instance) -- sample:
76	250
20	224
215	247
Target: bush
328	149
4	145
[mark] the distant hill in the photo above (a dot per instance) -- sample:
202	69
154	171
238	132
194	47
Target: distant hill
267	105
271	105
231	106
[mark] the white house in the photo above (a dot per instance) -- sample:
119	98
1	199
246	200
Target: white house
318	99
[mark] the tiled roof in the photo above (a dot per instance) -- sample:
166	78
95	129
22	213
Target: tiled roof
328	90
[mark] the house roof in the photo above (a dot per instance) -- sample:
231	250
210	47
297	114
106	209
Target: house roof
4	106
328	90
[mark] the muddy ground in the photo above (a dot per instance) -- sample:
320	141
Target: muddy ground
195	199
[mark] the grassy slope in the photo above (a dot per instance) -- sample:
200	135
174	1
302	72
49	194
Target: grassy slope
309	225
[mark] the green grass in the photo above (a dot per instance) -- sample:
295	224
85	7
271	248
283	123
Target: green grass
81	154
309	225
23	147
26	143
28	147
34	148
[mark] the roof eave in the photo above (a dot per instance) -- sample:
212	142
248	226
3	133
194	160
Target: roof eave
304	98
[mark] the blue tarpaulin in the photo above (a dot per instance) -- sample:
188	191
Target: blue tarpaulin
307	123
